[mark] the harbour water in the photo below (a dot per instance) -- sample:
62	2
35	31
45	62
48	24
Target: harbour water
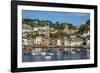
55	55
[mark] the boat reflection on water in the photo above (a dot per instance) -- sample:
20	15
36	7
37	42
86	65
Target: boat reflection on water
54	54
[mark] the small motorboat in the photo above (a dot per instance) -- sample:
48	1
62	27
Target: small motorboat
43	53
47	58
76	51
51	54
34	53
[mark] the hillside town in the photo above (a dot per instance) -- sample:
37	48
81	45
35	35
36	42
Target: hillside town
46	36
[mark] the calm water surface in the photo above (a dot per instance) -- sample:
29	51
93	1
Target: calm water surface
53	55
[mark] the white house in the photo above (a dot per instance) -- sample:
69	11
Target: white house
42	30
85	34
66	42
38	40
88	43
26	28
73	36
58	42
25	42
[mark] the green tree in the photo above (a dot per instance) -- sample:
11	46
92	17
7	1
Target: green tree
84	27
36	22
26	21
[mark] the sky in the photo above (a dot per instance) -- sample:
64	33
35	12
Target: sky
61	17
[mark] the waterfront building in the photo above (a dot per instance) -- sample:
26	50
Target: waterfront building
58	42
37	40
45	41
73	42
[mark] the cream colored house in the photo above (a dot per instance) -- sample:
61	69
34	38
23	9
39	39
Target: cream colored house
58	42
